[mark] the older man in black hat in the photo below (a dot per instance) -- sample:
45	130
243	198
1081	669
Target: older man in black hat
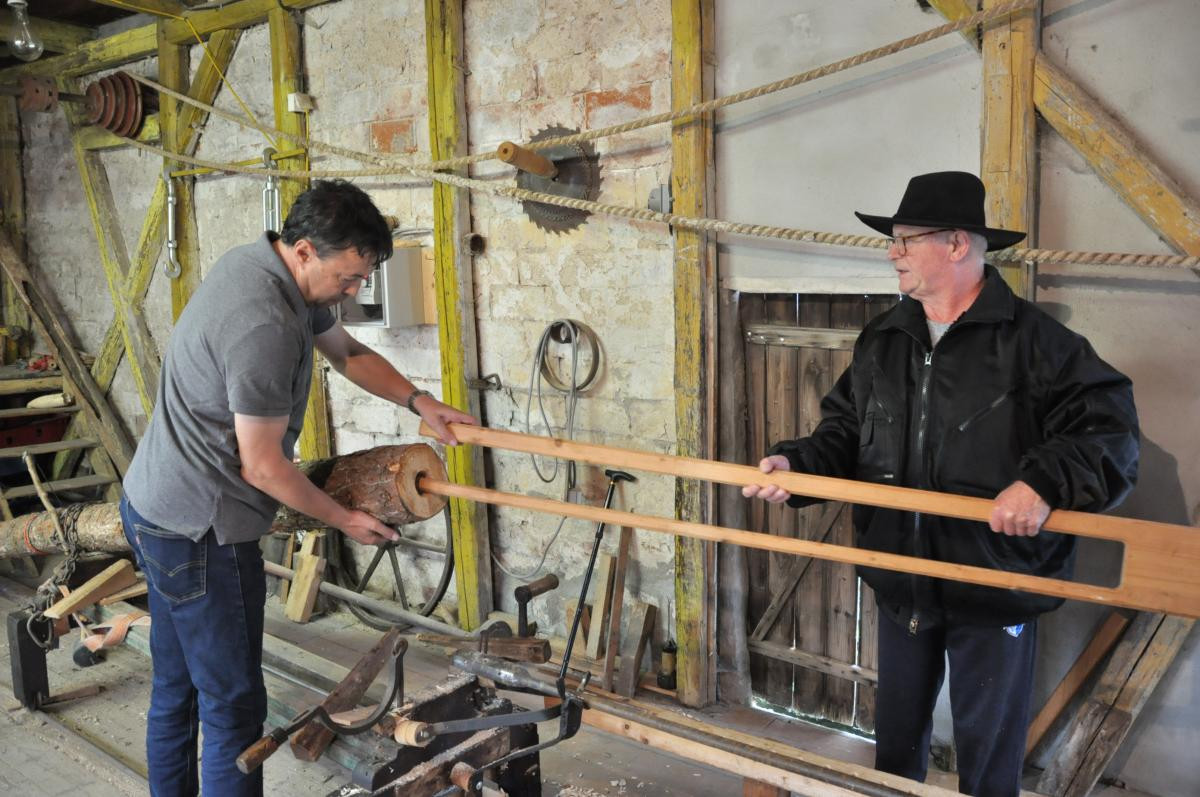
965	388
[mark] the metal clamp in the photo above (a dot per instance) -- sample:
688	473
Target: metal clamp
172	267
270	195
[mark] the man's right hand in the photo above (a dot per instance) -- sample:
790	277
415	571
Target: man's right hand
364	528
770	492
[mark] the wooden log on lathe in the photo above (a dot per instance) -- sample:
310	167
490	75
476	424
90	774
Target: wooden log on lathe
380	481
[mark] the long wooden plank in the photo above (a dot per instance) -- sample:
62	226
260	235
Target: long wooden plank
60	485
693	265
28	412
1159	565
9	387
613	641
457	342
810	601
782	379
46	448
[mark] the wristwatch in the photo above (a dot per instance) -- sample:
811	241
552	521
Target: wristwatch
416	394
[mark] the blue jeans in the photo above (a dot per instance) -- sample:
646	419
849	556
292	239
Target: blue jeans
206	605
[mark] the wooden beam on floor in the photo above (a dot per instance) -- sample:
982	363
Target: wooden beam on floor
458	344
1008	161
694	264
1101	723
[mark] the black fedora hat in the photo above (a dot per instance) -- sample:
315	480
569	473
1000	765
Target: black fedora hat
944	199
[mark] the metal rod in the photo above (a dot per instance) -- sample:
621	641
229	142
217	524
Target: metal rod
385	609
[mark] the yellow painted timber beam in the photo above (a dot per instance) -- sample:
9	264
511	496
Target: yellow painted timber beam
114	258
57	37
954	10
1117	157
174	72
455	302
159	7
316	441
12	213
97	138
204	87
1008	161
691	162
1110	150
137	43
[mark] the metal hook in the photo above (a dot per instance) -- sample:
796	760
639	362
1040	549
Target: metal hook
172	267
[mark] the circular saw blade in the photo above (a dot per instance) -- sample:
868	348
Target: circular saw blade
578	177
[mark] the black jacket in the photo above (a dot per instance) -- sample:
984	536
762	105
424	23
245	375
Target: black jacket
1008	394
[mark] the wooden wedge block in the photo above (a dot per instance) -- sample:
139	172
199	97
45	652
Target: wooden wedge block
289	554
303	595
585	622
115	577
641	629
602	580
135	591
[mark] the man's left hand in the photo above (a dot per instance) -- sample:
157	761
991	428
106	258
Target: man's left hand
1019	511
438	415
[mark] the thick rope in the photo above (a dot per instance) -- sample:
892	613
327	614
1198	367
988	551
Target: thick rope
686	222
980	18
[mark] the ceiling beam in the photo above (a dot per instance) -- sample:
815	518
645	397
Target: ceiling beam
141	42
166	8
57	37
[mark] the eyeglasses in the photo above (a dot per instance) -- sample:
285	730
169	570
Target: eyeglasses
901	241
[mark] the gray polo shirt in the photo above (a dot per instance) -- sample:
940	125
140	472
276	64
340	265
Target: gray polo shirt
244	344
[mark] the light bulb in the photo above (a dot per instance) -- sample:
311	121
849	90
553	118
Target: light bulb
23	42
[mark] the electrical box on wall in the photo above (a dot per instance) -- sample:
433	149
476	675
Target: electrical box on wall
395	295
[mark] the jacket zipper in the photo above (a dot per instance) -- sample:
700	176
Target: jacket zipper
922	427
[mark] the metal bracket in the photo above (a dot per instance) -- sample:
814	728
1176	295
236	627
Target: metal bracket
489	382
172	268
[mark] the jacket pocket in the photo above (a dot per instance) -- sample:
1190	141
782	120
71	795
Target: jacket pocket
878	444
175	565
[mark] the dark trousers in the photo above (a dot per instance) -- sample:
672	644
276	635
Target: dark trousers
206	634
991	677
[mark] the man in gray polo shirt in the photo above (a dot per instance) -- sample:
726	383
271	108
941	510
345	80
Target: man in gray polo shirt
216	462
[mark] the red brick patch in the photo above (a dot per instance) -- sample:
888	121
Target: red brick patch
393	135
607	104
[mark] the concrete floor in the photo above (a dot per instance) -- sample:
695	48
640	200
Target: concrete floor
94	747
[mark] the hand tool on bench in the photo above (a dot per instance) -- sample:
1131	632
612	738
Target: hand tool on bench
524	594
569	709
254	755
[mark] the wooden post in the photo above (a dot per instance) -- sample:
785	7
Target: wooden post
12	215
455	301
602	581
287	76
691	164
174	72
1008	164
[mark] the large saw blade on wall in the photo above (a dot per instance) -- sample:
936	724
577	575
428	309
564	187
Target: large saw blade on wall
578	177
